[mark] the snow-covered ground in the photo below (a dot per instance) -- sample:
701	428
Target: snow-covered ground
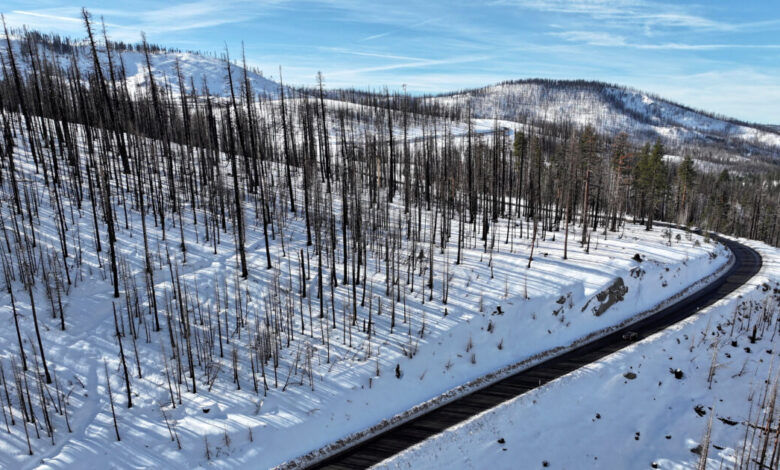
708	166
598	417
498	313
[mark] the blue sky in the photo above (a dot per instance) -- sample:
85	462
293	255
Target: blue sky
722	56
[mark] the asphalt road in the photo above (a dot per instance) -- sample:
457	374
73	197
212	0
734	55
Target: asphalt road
365	454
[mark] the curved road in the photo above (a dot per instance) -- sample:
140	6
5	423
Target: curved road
365	454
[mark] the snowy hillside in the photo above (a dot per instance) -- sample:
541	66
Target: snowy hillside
612	109
339	365
701	390
207	72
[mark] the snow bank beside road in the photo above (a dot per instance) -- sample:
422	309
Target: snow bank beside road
598	417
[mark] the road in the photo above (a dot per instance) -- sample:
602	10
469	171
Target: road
365	454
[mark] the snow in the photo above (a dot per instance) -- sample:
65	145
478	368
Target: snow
604	420
206	71
704	165
436	347
611	109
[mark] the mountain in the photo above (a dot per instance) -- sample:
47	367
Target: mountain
612	109
206	71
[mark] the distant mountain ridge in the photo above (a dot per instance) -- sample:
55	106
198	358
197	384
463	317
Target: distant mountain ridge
612	109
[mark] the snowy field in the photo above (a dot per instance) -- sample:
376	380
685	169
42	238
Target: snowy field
727	377
323	383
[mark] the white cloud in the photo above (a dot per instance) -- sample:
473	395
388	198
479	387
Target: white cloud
625	13
408	65
129	23
63	21
592	38
341	50
703	47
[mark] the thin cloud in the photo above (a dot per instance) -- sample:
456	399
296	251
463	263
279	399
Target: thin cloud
625	12
377	36
408	65
168	19
56	18
388	33
605	39
372	54
592	38
703	47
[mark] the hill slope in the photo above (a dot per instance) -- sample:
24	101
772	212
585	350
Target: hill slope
612	109
207	72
